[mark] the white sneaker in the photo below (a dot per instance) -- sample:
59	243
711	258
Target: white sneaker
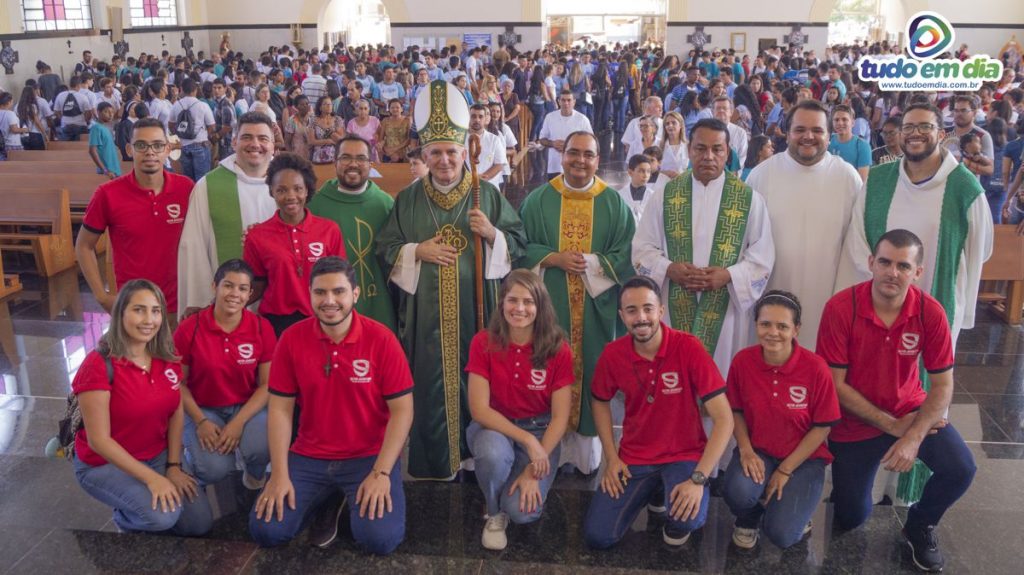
494	537
657	509
674	541
744	538
251	483
807	529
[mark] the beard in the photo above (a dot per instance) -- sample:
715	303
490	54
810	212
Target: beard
928	151
654	332
335	323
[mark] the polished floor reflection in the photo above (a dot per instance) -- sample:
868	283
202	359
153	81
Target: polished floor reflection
50	526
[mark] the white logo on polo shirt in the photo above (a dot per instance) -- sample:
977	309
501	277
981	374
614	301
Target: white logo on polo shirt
539	378
910	342
245	350
172	377
360	369
798	396
316	249
174	213
671	382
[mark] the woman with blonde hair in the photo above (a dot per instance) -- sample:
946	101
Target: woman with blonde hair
674	159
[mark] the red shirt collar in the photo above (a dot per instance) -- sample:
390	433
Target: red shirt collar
303	225
662	349
355	331
207	322
131	179
786	368
866	308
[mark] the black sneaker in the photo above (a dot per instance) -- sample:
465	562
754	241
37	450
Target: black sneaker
324	529
924	548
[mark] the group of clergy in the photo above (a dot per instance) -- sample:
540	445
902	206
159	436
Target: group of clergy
802	222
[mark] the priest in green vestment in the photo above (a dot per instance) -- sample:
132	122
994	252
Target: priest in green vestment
360	209
426	247
579	232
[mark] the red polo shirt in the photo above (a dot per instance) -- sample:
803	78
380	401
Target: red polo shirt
222	367
284	254
667	429
144	229
344	409
141	404
517	389
881	362
781	403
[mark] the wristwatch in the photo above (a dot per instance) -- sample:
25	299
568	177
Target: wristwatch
698	478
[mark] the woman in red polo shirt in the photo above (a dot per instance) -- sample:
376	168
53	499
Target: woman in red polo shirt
225	354
283	249
520	370
128	454
784	403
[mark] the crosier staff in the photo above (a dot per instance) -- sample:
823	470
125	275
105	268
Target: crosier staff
478	248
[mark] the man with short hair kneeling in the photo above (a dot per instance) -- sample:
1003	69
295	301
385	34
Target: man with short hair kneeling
349	376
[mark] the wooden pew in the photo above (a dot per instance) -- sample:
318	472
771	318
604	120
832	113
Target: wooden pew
9	283
70	167
76	155
80	187
53	246
1006	263
81	144
394	177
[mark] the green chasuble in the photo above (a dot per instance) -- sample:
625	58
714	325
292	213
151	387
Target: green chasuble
437	323
961	190
360	216
598	222
225	213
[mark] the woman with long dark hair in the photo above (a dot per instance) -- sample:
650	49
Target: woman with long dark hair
622	85
600	85
520	377
759	150
537	100
29	116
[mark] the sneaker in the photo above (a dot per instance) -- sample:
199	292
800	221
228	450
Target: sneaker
656	509
251	483
324	530
744	538
494	537
807	529
674	538
924	548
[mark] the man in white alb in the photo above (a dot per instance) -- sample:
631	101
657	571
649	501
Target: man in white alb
557	125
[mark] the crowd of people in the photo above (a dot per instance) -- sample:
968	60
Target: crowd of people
778	197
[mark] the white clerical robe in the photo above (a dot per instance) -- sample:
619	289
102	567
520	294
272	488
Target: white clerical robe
918	208
749	274
810	209
197	251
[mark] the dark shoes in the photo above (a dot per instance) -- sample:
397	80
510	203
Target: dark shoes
924	548
324	529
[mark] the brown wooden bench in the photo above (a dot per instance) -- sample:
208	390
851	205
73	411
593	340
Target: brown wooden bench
394	177
39	222
76	155
1007	264
82	144
70	167
9	283
80	187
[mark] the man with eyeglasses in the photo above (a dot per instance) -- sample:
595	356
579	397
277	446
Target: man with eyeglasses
225	202
810	194
144	211
360	208
964	111
891	151
579	232
559	124
427	250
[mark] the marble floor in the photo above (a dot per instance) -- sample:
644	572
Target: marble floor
48	525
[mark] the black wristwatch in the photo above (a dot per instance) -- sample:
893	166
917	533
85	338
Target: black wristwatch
698	478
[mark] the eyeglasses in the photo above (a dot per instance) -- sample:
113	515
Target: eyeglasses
155	146
575	154
889	133
908	129
347	159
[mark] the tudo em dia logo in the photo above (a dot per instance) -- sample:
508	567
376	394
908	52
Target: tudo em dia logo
928	35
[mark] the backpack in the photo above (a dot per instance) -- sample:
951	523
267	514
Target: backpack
71	108
71	423
185	125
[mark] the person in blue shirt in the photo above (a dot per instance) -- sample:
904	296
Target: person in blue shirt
843	143
102	149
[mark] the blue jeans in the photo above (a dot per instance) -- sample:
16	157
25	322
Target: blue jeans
195	160
538	120
499	460
71	132
211	466
608	519
853	473
619	106
314	481
784	520
996	196
132	500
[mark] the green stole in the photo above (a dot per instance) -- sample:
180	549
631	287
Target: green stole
962	189
704	318
225	213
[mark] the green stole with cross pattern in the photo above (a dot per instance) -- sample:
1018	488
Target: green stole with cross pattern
704	317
